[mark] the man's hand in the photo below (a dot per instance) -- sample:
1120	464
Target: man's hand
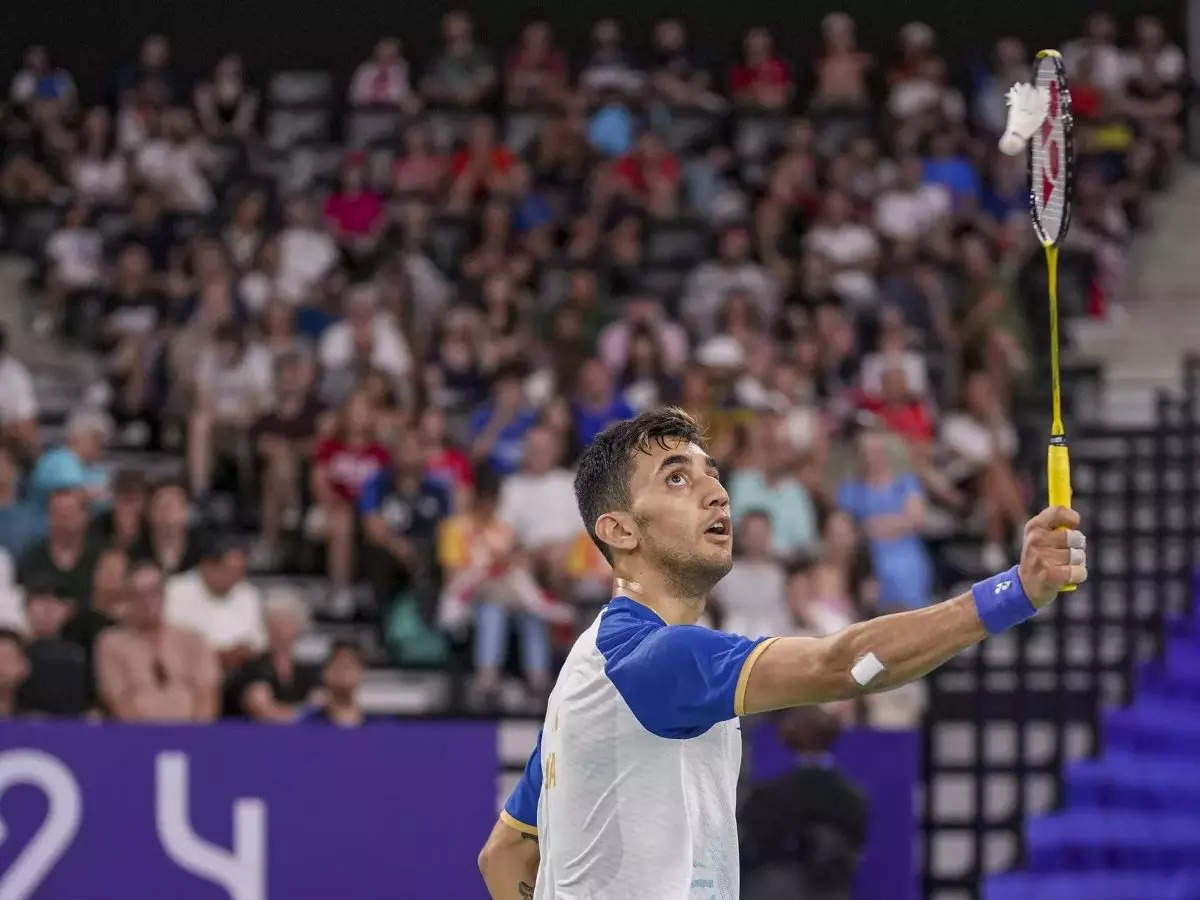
1053	554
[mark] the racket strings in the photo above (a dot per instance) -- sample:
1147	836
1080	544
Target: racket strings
1049	147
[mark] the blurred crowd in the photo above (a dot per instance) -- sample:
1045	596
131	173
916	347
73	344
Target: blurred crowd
379	320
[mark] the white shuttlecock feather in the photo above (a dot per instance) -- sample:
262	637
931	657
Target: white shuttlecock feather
1027	107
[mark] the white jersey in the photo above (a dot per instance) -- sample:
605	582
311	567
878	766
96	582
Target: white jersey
631	788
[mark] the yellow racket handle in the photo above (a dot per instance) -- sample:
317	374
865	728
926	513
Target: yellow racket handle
1058	476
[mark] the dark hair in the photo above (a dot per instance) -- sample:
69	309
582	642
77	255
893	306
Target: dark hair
8	634
345	645
602	478
487	482
167	483
128	481
138	563
214	548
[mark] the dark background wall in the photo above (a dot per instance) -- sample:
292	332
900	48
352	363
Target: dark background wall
91	38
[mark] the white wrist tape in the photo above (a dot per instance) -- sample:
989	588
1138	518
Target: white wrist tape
866	669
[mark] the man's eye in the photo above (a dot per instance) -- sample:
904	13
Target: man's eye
676	478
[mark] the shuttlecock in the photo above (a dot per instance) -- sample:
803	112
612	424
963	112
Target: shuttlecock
1027	106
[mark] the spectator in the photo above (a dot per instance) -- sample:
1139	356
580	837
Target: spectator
445	462
948	166
343	464
151	75
841	68
419	168
151	671
850	250
245	235
1098	46
400	512
18	404
75	256
354	212
839	586
911	208
341	679
645	382
1156	73
1010	64
463	74
498	428
63	561
536	71
233	383
597	404
764	481
649	176
609	69
177	163
368	335
481	167
751	598
225	105
98	172
890	508
57	684
486	580
169	539
21	522
274	686
677	79
306	254
284	438
383	79
762	79
215	600
899	409
38	79
802	834
14	669
538	501
108	607
709	284
124	524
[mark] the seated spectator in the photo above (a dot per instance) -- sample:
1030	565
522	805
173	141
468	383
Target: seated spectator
215	600
39	79
890	508
419	167
368	335
124	524
612	127
353	212
481	167
486	581
58	682
751	599
949	167
445	462
911	208
597	403
75	254
63	561
169	539
18	404
981	442
342	465
841	67
1009	64
764	481
284	441
462	74
75	464
1098	45
152	73
609	69
274	687
498	428
148	670
677	78
538	503
383	79
899	409
1156	75
802	834
400	511
645	382
176	164
21	522
245	235
649	176
341	679
225	105
14	669
109	603
536	71
306	253
762	79
710	283
851	251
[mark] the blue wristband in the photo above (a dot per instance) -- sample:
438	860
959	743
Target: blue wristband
1001	601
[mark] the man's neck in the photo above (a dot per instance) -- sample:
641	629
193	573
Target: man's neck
65	544
8	702
343	711
655	593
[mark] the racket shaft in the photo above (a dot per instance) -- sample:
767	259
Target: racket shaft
1058	476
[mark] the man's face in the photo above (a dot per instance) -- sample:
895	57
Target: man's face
343	673
541	451
14	667
754	536
169	507
594	380
68	514
220	575
146	598
129	503
735	245
46	614
282	626
110	573
681	514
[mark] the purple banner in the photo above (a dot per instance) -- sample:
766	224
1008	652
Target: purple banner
244	812
887	766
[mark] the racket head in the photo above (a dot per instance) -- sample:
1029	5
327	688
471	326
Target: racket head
1051	156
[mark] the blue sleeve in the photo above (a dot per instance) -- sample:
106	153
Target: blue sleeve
479	421
520	809
909	485
370	498
847	494
680	680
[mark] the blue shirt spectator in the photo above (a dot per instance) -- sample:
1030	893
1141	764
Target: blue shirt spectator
498	428
611	130
949	168
75	464
786	503
598	404
21	523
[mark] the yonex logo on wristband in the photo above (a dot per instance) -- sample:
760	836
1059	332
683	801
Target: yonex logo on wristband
1002	586
1001	602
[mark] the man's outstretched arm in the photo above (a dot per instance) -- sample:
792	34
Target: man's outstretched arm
892	650
509	862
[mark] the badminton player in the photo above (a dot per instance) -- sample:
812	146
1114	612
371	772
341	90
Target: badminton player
629	792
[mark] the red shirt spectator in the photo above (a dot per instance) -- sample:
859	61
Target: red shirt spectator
499	160
350	466
354	210
536	70
763	79
636	169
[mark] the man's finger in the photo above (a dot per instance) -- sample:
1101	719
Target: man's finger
1078	574
1062	539
1053	517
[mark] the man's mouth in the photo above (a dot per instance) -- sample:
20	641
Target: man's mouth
722	528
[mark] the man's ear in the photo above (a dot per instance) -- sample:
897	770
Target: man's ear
617	530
